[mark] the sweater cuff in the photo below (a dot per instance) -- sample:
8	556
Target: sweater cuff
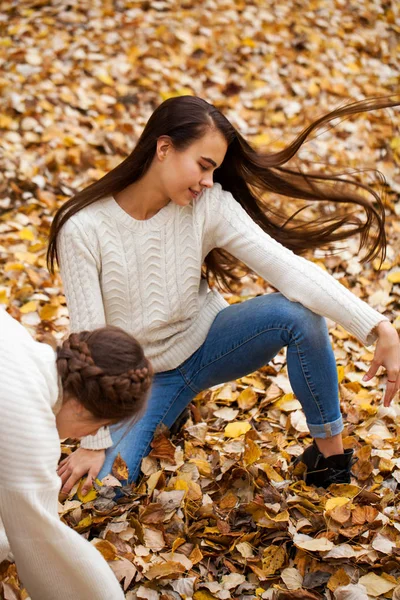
100	441
362	326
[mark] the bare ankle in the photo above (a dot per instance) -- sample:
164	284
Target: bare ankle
330	446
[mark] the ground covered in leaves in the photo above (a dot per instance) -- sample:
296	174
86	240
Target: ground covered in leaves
218	513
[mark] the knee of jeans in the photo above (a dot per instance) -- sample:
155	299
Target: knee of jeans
310	325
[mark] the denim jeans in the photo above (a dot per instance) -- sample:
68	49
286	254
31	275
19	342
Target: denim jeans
242	338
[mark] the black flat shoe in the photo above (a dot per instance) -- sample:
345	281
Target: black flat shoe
322	471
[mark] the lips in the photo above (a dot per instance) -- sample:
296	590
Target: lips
194	193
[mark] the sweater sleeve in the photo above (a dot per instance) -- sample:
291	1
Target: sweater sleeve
79	268
298	279
53	561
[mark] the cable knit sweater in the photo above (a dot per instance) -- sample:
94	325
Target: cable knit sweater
145	276
53	561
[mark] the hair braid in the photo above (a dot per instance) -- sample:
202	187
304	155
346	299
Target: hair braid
106	371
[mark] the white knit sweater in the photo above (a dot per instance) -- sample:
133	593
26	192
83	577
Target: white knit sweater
145	276
53	561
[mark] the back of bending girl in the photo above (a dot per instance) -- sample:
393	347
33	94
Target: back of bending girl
94	379
131	249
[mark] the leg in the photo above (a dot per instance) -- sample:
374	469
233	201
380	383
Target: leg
168	397
246	336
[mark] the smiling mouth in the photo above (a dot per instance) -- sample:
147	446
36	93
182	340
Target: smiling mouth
194	193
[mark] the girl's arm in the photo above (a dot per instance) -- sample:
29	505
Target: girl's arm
298	279
80	268
302	281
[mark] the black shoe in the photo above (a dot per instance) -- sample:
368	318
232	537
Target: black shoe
322	471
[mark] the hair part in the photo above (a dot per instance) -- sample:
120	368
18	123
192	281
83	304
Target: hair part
249	174
106	371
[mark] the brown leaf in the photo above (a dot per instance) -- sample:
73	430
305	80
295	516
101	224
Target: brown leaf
169	569
152	513
119	469
107	549
163	448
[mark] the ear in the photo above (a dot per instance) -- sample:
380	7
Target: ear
164	145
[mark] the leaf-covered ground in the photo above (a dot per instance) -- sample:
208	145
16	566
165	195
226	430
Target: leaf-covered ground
219	513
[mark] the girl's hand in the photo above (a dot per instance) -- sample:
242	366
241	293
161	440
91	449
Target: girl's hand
387	354
77	464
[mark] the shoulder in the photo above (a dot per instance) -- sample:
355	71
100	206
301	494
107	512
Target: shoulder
84	223
214	197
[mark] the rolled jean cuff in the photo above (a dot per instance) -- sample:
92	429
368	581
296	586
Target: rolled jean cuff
326	430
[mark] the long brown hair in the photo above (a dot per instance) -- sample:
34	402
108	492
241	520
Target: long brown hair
248	174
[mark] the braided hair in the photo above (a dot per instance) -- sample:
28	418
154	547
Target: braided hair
106	371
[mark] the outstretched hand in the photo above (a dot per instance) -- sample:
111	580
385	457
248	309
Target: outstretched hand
387	354
76	465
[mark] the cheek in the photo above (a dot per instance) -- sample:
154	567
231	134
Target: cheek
183	174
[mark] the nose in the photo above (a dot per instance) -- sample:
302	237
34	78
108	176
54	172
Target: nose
207	180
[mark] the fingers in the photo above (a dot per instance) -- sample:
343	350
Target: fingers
70	482
87	486
372	371
392	386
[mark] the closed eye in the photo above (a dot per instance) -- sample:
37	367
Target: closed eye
203	168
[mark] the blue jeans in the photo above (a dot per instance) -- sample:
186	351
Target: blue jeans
242	338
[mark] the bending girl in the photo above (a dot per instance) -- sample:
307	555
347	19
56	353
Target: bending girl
132	245
93	379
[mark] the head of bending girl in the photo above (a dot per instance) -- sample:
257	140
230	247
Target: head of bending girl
105	378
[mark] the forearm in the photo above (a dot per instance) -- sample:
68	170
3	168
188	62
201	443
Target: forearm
53	561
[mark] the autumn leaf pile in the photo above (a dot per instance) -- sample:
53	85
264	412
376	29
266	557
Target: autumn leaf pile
219	513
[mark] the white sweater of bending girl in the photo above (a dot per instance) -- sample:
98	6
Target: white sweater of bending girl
145	276
53	561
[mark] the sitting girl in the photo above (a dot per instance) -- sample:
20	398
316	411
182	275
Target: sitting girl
138	247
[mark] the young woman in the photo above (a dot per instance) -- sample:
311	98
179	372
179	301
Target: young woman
131	248
93	379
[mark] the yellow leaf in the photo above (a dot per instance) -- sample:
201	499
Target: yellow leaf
3	297
181	484
251	452
26	257
249	42
274	558
203	466
340	372
271	473
91	495
395	143
237	428
84	523
104	77
203	595
334	502
13	267
29	307
394	277
26	234
247	399
48	312
261	140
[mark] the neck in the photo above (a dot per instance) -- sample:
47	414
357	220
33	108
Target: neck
142	199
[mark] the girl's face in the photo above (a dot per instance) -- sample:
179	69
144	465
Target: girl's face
185	174
74	421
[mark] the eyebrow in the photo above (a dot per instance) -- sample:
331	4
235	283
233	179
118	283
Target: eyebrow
210	160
